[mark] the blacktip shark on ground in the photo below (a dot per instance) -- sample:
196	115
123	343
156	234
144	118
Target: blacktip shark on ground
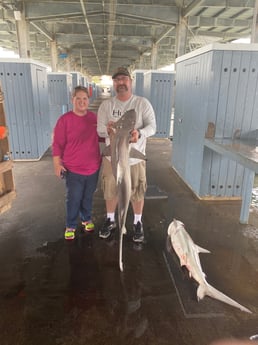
188	254
121	150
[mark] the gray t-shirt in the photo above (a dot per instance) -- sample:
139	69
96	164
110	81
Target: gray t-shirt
112	109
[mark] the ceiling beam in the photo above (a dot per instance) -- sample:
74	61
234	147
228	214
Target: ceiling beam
90	34
43	30
188	10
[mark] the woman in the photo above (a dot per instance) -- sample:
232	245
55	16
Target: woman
76	155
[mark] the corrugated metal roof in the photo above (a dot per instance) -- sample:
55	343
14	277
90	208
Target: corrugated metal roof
99	35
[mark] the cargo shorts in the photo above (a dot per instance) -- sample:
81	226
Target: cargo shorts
138	180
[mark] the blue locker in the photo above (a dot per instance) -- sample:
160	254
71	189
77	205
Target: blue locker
60	87
158	89
216	87
84	81
138	82
24	84
77	79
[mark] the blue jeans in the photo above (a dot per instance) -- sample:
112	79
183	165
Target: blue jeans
79	197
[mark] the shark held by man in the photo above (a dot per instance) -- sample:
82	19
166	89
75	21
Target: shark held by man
120	151
188	254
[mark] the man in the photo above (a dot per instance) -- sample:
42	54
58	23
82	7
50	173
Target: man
109	112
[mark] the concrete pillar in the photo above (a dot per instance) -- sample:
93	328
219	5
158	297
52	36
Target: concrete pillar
181	37
81	62
141	62
254	34
54	57
22	30
68	63
154	54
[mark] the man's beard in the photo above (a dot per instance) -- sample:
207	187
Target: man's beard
121	88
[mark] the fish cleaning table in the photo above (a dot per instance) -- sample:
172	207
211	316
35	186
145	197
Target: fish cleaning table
244	152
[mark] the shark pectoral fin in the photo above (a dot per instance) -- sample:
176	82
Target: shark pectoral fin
137	154
106	151
201	250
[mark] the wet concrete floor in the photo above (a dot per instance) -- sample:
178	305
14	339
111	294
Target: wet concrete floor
54	292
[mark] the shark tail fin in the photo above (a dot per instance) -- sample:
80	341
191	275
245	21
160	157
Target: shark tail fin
122	232
209	290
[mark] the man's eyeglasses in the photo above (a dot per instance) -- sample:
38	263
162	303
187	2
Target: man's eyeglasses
123	78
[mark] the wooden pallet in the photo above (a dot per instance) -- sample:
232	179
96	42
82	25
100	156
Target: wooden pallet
7	190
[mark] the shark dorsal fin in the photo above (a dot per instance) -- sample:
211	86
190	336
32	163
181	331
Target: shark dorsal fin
137	154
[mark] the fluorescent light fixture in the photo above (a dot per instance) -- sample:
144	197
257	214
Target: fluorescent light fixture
17	15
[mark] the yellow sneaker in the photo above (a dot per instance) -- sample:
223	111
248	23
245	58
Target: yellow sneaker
69	234
88	226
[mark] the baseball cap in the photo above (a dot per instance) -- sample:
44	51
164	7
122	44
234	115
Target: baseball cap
121	70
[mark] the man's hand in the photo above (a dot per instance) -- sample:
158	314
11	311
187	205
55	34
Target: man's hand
110	127
135	135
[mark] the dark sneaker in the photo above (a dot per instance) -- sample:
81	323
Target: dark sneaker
108	226
138	233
